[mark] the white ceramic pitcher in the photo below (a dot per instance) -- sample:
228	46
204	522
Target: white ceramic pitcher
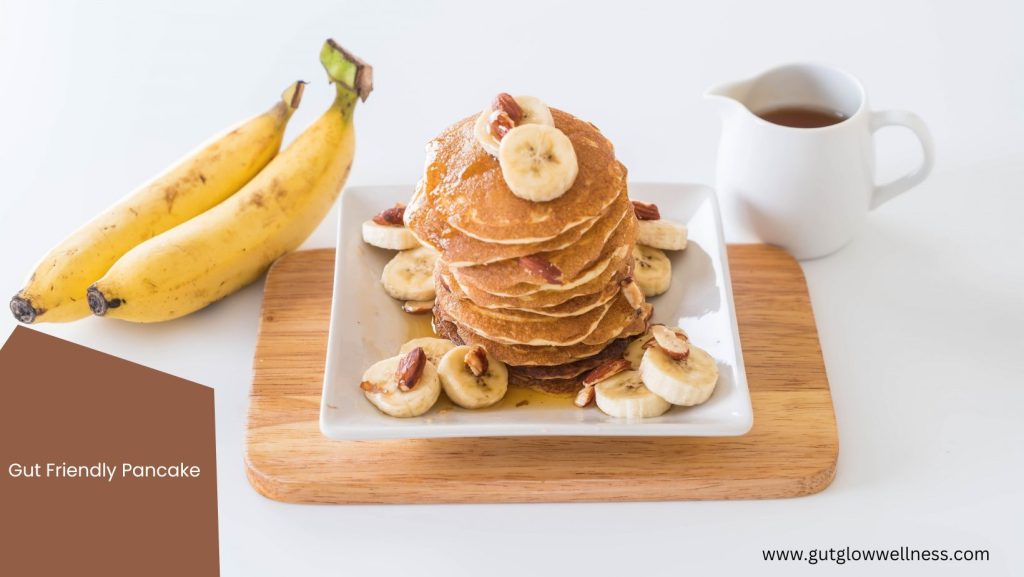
806	189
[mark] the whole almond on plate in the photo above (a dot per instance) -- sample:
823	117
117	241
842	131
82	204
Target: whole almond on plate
410	369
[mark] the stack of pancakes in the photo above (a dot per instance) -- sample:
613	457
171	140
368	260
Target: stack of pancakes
538	284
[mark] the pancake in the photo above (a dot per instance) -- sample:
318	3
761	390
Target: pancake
465	184
549	334
430	228
592	329
538	330
542	299
575	369
550	386
571	308
616	229
525	355
601	269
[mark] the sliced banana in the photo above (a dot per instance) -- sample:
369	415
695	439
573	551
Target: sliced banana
624	395
534	112
661	233
433	347
685	382
409	276
538	162
468	382
380	386
652	270
388	236
635	350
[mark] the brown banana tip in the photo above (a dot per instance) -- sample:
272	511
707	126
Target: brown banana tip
98	304
300	86
23	310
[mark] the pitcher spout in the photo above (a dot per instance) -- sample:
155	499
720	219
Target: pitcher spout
729	96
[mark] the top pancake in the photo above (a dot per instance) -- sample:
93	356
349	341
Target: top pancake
465	185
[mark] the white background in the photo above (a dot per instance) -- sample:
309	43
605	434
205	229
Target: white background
921	318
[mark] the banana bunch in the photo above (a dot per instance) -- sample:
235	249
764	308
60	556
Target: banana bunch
210	224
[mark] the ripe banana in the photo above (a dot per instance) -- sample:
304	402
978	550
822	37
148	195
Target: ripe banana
55	292
232	244
472	378
409	276
652	270
624	395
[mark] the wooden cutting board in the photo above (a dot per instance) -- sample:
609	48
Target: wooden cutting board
790	451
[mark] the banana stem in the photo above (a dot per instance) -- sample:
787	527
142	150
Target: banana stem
351	76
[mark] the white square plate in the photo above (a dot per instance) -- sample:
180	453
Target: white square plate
367	326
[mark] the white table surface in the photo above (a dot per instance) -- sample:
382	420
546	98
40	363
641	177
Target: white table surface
920	317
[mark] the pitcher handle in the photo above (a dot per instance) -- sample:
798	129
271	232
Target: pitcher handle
886	192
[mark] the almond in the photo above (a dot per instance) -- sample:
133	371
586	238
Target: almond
410	368
500	124
506	103
542	267
633	293
393	216
670	342
418	307
584	397
605	370
646	210
476	360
